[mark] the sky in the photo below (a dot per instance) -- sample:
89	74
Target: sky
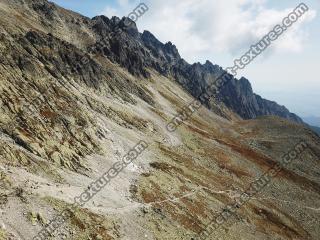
221	31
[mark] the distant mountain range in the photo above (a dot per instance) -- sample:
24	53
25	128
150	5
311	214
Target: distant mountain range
316	129
314	123
312	120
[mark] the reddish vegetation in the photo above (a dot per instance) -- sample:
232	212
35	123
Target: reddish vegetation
200	132
154	195
77	222
205	177
190	212
266	163
195	207
25	133
164	167
187	220
92	223
266	220
48	114
262	161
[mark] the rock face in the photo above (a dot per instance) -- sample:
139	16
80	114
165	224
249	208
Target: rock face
137	52
119	40
78	94
238	96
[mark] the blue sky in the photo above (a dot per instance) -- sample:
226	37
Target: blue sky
221	31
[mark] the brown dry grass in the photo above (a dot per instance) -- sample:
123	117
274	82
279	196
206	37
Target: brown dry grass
276	221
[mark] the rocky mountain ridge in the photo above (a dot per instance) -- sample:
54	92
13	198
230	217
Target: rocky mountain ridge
120	41
165	58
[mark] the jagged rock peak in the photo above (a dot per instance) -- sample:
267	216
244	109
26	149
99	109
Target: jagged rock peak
172	49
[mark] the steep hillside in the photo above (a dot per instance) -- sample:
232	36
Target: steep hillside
76	98
122	43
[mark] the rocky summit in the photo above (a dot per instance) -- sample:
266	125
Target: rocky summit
80	96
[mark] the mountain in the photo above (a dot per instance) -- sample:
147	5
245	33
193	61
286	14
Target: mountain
80	97
316	129
312	120
137	52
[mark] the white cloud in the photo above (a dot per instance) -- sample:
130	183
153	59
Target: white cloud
224	30
207	27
